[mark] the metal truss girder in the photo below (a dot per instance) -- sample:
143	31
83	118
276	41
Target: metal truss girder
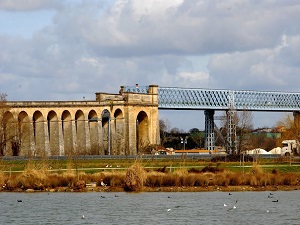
195	98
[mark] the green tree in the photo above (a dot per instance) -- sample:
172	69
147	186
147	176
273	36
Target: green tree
196	137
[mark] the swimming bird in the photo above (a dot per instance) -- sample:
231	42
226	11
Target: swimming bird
225	205
82	217
168	210
234	206
102	183
19	200
229	194
275	200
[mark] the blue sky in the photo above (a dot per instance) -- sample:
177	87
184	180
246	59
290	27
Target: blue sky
67	50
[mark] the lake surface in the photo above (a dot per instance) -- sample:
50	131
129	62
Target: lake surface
151	208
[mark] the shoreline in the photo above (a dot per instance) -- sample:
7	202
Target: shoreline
164	189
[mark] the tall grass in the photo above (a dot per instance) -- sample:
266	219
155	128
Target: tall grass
135	178
37	176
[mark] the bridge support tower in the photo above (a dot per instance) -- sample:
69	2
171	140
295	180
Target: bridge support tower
209	130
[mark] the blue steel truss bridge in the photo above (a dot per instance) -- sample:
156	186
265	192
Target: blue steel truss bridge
210	100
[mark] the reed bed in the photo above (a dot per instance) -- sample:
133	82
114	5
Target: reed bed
136	178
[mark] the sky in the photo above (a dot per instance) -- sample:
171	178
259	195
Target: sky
71	49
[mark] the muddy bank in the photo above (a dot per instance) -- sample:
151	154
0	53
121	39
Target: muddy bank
165	189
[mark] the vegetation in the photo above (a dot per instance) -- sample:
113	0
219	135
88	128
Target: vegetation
152	174
139	176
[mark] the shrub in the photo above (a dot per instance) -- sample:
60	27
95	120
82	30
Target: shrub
275	171
135	178
201	181
169	180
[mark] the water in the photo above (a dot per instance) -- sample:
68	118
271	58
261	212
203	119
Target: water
151	208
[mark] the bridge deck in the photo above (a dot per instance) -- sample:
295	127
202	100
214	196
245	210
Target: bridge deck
197	98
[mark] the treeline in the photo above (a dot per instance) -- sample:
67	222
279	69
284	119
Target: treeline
246	137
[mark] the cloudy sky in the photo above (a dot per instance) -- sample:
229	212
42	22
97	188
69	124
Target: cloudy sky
70	49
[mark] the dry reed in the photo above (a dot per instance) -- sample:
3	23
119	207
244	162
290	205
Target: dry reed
37	177
135	178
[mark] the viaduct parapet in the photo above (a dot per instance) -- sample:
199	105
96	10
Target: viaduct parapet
114	124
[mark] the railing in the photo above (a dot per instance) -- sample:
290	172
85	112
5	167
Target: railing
136	89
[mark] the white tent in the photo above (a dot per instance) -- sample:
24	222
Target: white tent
276	150
257	151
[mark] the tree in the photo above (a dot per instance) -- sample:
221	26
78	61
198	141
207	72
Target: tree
164	126
3	124
261	140
175	131
10	131
196	137
291	128
244	128
243	124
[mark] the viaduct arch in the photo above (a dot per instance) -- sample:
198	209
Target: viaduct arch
113	124
121	124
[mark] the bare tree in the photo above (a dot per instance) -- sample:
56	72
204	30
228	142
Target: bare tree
3	124
5	135
164	126
11	130
244	128
243	124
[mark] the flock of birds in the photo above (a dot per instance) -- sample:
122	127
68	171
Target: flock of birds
235	205
169	209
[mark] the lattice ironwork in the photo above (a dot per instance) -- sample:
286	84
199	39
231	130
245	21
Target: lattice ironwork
188	98
229	100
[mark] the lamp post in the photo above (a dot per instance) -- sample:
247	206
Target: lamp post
183	141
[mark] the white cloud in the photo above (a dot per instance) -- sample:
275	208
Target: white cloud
90	46
196	76
26	5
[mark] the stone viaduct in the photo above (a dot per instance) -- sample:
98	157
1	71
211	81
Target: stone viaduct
114	124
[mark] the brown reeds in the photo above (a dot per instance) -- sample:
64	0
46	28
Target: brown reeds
37	177
135	178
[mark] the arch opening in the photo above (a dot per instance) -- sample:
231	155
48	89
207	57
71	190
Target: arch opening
118	134
39	133
67	132
24	132
80	132
53	131
105	118
142	132
94	132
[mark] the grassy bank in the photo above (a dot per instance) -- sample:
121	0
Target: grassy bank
128	175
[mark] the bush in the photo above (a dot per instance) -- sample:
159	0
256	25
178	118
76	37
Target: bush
135	178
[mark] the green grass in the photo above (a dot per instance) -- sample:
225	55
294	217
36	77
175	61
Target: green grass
98	165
